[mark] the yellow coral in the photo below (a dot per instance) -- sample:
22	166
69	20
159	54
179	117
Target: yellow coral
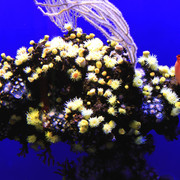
135	125
112	124
83	129
31	139
101	81
122	131
112	100
107	128
83	122
58	58
38	70
91	92
115	84
98	64
68	26
122	111
80	61
112	111
76	75
83	126
7	75
45	67
94	122
107	93
51	138
100	91
177	104
162	80
32	118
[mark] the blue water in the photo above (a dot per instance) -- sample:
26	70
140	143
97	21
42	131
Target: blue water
154	25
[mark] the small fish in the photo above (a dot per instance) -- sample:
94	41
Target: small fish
177	69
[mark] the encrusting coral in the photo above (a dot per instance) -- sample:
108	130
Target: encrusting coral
77	90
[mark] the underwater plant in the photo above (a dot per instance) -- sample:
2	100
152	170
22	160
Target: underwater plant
77	90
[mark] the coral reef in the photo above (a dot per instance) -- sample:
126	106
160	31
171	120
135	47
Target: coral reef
98	98
77	90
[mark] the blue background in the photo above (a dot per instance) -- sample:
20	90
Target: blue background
154	26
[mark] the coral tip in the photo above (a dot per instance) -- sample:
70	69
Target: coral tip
177	69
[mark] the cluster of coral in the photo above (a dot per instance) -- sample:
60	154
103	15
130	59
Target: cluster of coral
77	90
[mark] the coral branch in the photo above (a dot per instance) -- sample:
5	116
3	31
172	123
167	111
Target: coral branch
100	13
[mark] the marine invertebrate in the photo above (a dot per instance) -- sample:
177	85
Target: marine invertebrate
93	98
87	94
100	13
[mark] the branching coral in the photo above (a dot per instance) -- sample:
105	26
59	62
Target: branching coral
100	13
